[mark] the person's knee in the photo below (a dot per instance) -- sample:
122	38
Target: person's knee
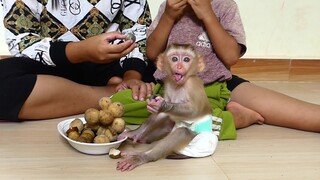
115	80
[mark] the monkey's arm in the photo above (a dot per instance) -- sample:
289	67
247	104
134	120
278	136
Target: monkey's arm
178	109
158	104
195	104
187	109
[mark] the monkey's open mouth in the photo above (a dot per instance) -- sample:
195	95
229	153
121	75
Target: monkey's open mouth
178	77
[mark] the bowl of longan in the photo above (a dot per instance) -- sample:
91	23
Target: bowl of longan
97	132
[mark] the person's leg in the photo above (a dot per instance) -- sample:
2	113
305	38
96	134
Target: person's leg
30	90
278	109
242	116
54	96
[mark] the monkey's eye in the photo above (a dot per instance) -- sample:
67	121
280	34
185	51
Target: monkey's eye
174	59
186	59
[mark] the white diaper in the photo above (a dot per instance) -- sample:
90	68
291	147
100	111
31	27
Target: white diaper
205	142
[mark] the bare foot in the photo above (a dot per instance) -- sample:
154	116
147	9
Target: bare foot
243	117
133	135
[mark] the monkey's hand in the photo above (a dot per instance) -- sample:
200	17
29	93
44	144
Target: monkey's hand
155	103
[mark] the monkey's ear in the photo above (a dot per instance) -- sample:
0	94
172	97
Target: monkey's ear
160	62
201	65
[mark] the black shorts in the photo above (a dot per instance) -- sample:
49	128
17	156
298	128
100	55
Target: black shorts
234	82
18	77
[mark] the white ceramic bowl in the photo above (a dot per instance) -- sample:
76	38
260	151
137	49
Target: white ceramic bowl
87	148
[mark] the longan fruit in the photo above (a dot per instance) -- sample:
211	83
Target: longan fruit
105	117
94	127
92	116
112	137
118	125
104	102
77	123
87	136
73	133
117	109
101	130
130	36
101	139
105	131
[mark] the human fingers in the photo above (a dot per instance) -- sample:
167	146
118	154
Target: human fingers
124	46
174	8
117	51
202	8
111	36
135	92
129	48
179	3
143	91
121	86
150	87
139	89
98	48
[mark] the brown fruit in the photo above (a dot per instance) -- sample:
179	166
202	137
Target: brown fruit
72	129
101	130
94	128
105	117
112	137
101	139
87	136
114	153
73	133
118	125
104	102
92	116
77	123
117	109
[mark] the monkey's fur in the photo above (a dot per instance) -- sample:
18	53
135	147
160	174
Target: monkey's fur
184	99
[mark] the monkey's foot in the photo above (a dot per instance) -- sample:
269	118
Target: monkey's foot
133	135
243	117
130	161
123	134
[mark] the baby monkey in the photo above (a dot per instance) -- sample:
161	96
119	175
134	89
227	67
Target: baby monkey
178	117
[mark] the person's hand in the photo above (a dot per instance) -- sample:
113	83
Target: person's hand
140	89
174	8
202	8
99	49
103	51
